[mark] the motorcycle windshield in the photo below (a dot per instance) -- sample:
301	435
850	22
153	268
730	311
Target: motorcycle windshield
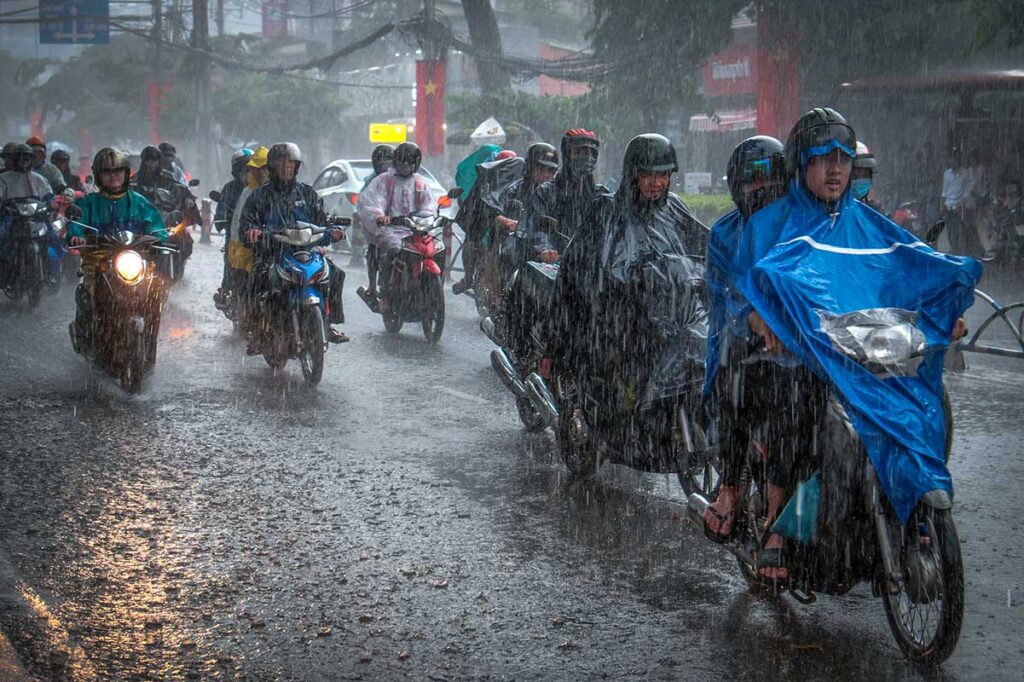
811	269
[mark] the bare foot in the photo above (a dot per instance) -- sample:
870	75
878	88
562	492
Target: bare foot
719	516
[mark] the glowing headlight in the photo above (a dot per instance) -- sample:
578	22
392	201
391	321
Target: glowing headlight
178	229
129	266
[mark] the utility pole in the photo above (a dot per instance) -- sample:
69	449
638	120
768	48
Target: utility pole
220	17
204	118
154	88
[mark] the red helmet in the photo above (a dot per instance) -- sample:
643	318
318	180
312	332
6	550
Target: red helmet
505	154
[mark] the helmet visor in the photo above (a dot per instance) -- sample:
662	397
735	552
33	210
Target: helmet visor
821	140
760	169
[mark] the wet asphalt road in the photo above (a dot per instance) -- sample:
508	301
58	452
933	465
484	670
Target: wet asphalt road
397	522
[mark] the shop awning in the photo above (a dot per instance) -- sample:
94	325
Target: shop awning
724	121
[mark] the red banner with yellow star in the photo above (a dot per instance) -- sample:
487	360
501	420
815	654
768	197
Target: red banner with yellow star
430	106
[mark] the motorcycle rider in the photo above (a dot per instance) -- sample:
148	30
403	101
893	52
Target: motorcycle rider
625	307
20	181
152	177
381	159
569	198
398	192
6	156
222	217
169	162
756	175
864	165
280	203
112	208
239	256
62	162
43	167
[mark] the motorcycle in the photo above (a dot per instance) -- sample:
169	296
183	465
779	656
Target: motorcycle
520	351
173	264
289	316
916	567
627	408
33	262
123	312
414	288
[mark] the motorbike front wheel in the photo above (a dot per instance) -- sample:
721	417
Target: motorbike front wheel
433	309
926	612
528	414
311	351
580	459
133	363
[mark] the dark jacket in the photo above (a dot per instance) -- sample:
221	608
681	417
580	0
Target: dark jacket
275	207
167	194
226	206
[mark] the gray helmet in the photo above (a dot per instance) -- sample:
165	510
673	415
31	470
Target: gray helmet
541	154
284	150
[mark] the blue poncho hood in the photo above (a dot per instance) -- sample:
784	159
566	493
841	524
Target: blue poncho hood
785	267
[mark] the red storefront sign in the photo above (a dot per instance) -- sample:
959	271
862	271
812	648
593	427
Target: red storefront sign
430	77
731	72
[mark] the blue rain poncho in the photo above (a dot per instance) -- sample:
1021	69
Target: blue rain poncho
803	268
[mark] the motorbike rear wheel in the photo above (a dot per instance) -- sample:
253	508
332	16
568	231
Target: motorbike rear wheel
580	458
926	613
433	310
311	353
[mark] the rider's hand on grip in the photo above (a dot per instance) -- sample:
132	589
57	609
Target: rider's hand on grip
253	235
78	241
383	220
337	234
548	256
760	327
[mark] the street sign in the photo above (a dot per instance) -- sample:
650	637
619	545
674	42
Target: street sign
82	22
388	133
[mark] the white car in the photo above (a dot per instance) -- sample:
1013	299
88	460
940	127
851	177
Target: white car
340	182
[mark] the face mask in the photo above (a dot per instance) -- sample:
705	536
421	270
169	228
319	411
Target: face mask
584	165
861	187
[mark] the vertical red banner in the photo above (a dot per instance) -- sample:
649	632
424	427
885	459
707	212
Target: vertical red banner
778	77
430	77
274	19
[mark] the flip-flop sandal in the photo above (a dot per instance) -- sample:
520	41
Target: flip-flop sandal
716	537
771	558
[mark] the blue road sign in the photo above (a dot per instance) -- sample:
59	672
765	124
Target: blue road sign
74	21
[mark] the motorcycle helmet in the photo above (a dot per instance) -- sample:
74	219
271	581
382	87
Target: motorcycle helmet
21	158
541	154
258	158
576	163
59	156
817	133
36	141
864	164
149	153
283	150
239	160
505	154
407	159
110	159
649	152
756	158
381	158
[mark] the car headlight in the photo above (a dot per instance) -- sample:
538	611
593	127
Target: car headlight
129	266
886	340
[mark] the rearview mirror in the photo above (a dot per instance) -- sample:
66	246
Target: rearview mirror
455	193
215	195
194	182
934	231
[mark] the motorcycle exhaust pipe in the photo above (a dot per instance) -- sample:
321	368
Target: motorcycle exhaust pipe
542	399
503	368
487	327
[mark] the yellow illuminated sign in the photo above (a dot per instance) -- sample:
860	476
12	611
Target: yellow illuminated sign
388	133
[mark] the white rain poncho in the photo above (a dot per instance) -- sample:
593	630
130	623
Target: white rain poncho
391	195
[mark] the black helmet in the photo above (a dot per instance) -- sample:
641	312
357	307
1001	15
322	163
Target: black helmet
59	155
407	159
381	158
541	154
167	149
20	157
818	131
110	159
150	153
758	157
649	152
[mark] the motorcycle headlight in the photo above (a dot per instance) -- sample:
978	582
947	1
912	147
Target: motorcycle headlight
28	209
886	340
129	266
178	229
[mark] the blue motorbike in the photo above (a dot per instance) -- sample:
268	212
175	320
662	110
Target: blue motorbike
292	304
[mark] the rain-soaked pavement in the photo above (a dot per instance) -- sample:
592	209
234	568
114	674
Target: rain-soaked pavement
397	522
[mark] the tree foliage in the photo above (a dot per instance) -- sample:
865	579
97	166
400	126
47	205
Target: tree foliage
252	105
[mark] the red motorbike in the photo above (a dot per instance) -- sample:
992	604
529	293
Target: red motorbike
411	284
